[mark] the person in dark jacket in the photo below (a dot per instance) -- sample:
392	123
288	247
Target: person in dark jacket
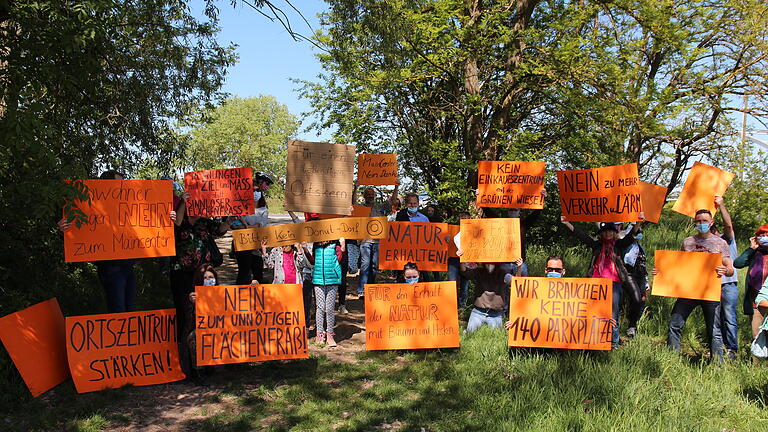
491	295
606	263
755	258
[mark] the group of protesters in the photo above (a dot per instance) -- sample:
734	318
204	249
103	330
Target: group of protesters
323	268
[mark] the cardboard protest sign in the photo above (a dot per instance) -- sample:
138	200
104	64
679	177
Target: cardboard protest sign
510	184
126	219
245	323
423	243
220	192
490	240
571	313
652	198
688	275
319	178
377	169
357	211
112	350
353	228
452	249
411	316
34	338
703	184
600	194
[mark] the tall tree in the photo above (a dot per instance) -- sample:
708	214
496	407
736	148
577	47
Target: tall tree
244	132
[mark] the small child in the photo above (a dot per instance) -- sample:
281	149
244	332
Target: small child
287	261
326	277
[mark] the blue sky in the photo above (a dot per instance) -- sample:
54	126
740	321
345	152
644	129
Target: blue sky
269	57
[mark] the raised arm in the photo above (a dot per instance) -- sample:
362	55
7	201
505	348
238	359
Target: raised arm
728	232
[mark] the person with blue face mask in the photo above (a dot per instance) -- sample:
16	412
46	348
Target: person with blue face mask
755	259
703	241
411	273
727	321
411	211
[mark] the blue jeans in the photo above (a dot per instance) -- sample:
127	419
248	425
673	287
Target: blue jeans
727	323
119	284
463	284
511	268
477	318
369	263
353	255
615	307
680	311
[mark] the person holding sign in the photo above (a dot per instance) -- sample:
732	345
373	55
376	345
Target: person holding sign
288	262
491	294
634	261
116	276
250	265
195	246
204	276
555	269
607	263
755	258
729	296
326	276
369	248
703	241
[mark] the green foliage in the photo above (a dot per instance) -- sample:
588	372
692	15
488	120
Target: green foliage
747	196
244	132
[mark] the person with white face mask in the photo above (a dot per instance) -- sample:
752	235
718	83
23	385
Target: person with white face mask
755	258
634	260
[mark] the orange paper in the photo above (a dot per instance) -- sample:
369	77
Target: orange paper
688	275
490	240
422	243
703	184
126	219
510	184
34	338
220	192
452	231
112	350
246	323
357	211
571	313
652	198
411	316
377	169
353	228
607	194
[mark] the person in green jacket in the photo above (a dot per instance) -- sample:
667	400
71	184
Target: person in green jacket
326	276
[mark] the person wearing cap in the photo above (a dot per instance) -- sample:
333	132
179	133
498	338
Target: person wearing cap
250	263
607	263
703	241
755	258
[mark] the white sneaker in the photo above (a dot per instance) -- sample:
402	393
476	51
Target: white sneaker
632	332
343	309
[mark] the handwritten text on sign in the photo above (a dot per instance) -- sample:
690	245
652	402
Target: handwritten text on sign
126	219
510	184
112	350
490	240
419	242
246	323
354	228
377	169
319	177
411	316
220	192
600	194
571	313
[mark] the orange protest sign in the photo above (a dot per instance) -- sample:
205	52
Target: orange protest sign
703	184
34	338
411	316
422	243
688	275
126	219
600	194
452	249
490	240
571	313
510	184
112	350
319	177
245	323
220	192
652	198
353	228
377	169
357	211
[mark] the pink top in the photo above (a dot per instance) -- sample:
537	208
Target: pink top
289	268
605	268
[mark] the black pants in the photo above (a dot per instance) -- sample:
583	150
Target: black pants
249	267
308	290
181	286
